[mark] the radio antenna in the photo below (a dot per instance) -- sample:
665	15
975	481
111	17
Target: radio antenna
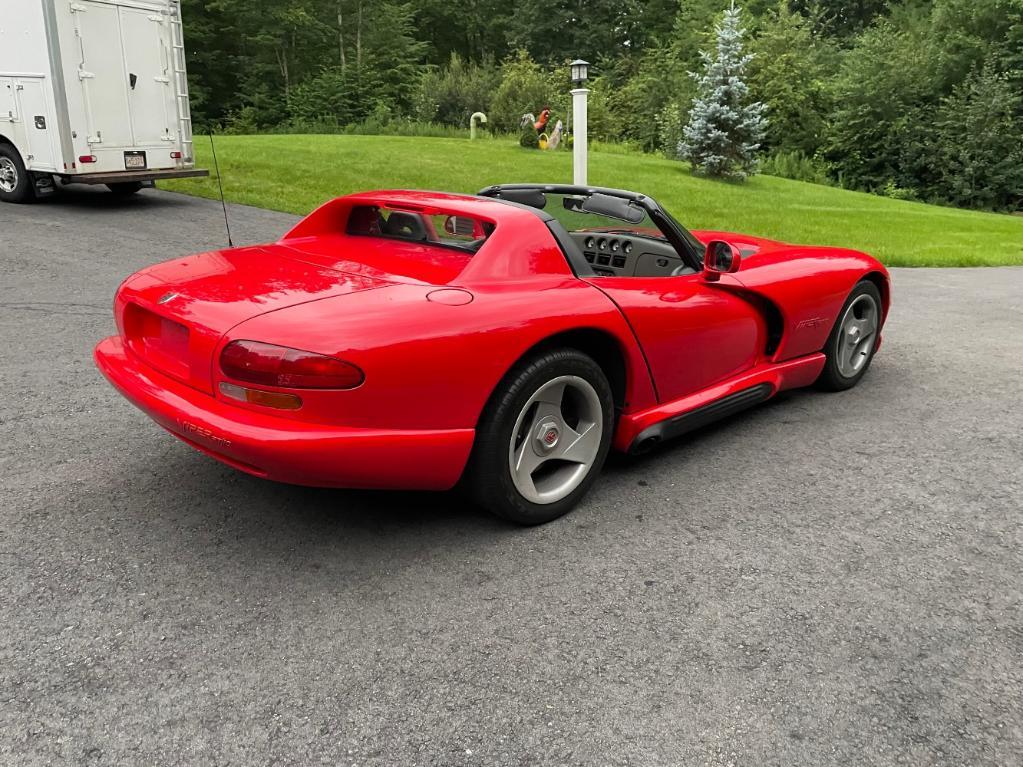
220	183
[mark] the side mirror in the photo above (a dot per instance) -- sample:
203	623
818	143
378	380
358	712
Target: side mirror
721	258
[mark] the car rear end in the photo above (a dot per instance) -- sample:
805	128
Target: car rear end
182	356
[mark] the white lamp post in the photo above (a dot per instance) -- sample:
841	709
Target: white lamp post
579	94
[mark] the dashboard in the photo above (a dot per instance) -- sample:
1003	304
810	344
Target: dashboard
622	255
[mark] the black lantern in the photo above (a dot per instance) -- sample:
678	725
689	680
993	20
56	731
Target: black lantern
579	68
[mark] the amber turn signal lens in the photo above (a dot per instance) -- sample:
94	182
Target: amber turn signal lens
274	399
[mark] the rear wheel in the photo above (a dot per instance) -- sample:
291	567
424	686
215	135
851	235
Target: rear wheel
543	439
15	184
125	188
853	340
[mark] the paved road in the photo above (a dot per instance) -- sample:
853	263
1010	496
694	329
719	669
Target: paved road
830	579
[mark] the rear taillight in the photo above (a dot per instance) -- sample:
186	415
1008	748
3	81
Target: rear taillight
271	365
175	155
87	158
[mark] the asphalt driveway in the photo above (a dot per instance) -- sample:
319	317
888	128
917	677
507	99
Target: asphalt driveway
828	579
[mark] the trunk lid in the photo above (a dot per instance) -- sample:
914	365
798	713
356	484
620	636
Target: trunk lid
174	314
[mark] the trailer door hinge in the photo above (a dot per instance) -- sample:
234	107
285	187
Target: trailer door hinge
83	75
162	79
155	17
77	8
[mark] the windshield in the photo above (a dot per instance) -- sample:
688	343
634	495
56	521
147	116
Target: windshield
569	210
603	213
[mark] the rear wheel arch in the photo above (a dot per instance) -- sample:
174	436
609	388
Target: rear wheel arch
600	345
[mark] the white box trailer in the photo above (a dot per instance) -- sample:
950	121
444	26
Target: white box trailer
92	92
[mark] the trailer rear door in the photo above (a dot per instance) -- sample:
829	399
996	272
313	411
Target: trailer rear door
125	74
102	74
147	61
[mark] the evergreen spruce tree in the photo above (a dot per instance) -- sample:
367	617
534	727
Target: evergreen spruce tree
724	130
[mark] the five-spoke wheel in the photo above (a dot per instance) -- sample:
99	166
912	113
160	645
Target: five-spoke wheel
543	437
556	439
858	334
853	340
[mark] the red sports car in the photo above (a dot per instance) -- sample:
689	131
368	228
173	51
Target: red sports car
507	340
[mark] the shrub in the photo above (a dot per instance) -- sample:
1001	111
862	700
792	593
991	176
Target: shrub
796	165
528	138
451	94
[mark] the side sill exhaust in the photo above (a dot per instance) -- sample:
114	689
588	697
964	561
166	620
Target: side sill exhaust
647	439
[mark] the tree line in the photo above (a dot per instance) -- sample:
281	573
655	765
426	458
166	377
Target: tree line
917	99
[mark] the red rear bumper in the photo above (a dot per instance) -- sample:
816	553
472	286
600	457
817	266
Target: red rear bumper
269	446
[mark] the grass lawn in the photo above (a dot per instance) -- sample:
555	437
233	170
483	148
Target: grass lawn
297	173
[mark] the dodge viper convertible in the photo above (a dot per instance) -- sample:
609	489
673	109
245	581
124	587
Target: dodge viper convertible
504	341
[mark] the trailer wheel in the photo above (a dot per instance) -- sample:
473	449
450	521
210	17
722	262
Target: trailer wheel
15	184
125	188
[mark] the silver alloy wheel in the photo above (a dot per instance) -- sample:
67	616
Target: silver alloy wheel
8	175
857	335
556	439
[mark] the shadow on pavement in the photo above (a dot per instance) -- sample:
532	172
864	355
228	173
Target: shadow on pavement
98	197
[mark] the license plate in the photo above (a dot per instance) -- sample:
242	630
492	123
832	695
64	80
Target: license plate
134	160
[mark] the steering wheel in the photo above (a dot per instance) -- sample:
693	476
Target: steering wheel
680	269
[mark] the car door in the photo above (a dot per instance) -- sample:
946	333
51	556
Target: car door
694	333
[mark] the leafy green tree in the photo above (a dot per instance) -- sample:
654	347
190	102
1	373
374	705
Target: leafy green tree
978	144
789	74
474	30
884	94
393	51
842	18
645	88
554	30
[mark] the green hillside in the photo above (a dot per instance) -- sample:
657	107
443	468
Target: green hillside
296	173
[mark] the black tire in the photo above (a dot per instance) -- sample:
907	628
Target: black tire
831	377
125	188
489	475
15	174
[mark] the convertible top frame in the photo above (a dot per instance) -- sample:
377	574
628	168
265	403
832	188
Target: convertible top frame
675	233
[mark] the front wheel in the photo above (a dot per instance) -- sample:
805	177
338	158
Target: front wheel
543	439
853	340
